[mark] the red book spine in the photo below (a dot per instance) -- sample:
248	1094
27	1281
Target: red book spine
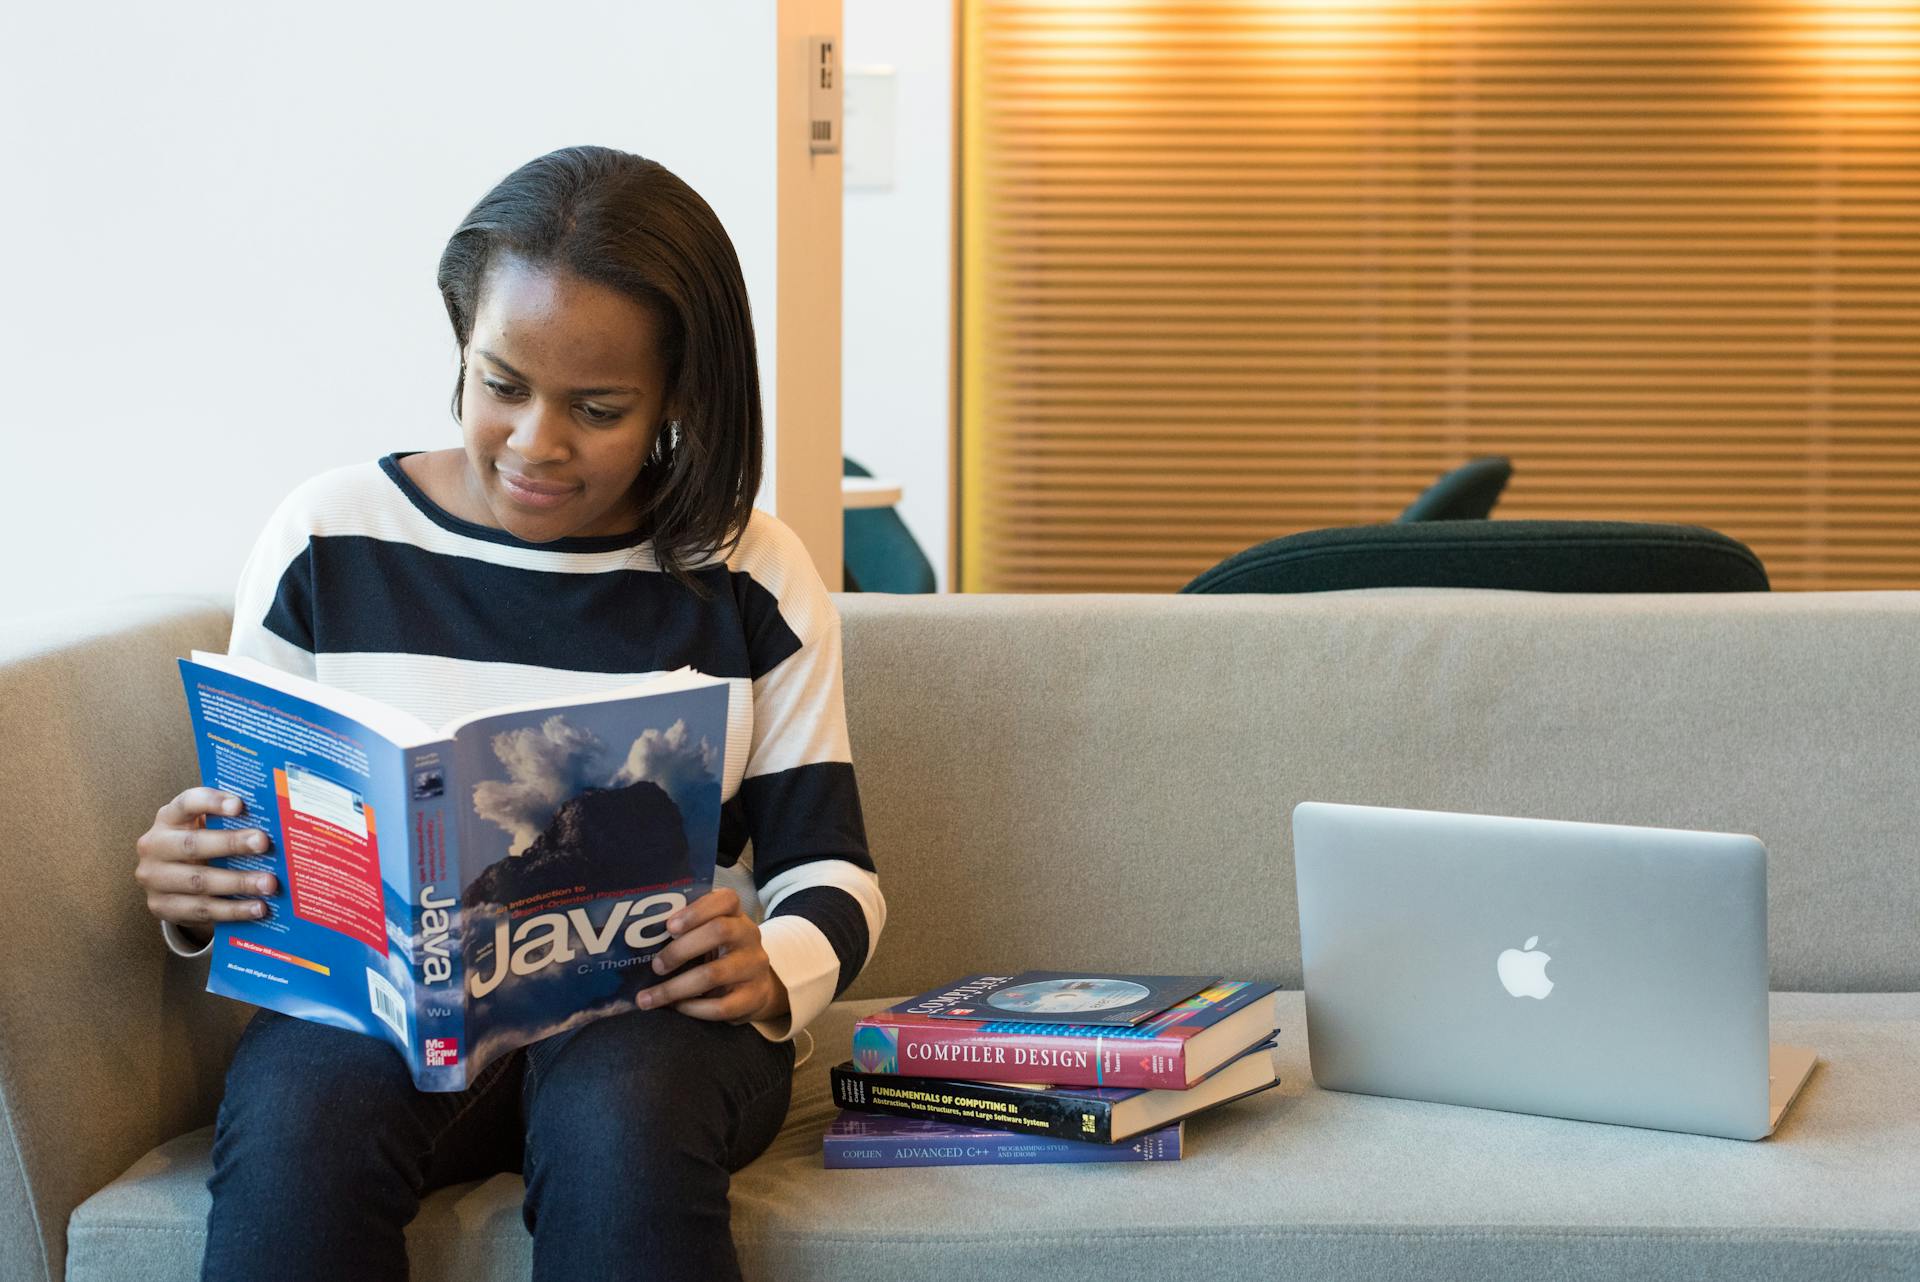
954	1049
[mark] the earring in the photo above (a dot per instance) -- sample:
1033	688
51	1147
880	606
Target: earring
664	443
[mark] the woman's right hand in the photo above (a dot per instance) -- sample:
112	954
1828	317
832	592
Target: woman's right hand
180	887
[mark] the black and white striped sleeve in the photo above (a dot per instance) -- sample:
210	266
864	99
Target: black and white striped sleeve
823	910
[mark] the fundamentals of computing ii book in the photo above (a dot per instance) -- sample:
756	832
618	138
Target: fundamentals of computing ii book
465	889
1171	1050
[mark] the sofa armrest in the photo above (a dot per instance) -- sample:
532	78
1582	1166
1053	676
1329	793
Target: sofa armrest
108	1045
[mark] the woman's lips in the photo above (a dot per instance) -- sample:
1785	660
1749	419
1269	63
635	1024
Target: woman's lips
535	493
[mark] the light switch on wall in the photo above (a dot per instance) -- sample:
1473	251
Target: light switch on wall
868	162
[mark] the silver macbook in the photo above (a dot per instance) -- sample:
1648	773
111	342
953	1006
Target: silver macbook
1590	971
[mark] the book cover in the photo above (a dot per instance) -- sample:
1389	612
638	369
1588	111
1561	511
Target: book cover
465	890
866	1140
1060	997
1172	1050
1083	1114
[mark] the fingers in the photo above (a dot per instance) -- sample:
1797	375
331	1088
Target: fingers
163	877
713	904
164	843
736	968
179	829
186	910
180	887
735	1006
721	933
186	809
736	979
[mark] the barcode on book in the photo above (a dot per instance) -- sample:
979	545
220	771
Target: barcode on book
385	1002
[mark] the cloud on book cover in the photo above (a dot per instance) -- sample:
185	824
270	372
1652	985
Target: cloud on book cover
555	761
507	1036
671	759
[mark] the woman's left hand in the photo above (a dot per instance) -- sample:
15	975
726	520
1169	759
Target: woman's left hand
735	985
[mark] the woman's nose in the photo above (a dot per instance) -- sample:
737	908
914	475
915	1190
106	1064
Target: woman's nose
541	434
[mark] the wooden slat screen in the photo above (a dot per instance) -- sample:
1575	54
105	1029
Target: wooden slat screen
1232	270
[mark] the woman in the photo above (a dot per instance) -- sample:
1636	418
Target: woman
595	525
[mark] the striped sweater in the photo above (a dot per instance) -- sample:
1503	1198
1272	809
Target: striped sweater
363	582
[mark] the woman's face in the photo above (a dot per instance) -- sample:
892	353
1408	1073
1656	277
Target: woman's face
565	391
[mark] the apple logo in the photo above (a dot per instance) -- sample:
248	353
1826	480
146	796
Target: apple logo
1524	974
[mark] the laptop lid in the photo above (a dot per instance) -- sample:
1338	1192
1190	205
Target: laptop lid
1591	971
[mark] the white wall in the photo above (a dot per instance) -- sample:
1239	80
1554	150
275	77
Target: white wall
222	223
897	295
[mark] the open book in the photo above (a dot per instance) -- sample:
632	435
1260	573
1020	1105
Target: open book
464	890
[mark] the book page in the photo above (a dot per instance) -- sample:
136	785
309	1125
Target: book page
661	683
402	729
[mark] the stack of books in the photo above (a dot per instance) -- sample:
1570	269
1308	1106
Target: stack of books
1047	1066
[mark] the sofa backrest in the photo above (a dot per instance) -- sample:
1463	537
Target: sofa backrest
1106	782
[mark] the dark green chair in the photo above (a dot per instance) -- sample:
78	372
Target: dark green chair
1530	556
880	554
1467	493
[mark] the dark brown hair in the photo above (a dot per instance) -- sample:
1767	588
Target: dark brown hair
625	222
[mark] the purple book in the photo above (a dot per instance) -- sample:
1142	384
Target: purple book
872	1140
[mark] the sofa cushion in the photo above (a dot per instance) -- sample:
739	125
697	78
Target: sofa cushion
1297	1181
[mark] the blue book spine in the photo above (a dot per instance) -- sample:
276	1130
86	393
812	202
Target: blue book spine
439	1052
857	1141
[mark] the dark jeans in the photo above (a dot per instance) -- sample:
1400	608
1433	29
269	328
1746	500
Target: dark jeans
627	1130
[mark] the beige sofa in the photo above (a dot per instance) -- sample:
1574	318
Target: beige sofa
1105	782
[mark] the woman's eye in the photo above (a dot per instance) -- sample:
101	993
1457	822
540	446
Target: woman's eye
507	391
